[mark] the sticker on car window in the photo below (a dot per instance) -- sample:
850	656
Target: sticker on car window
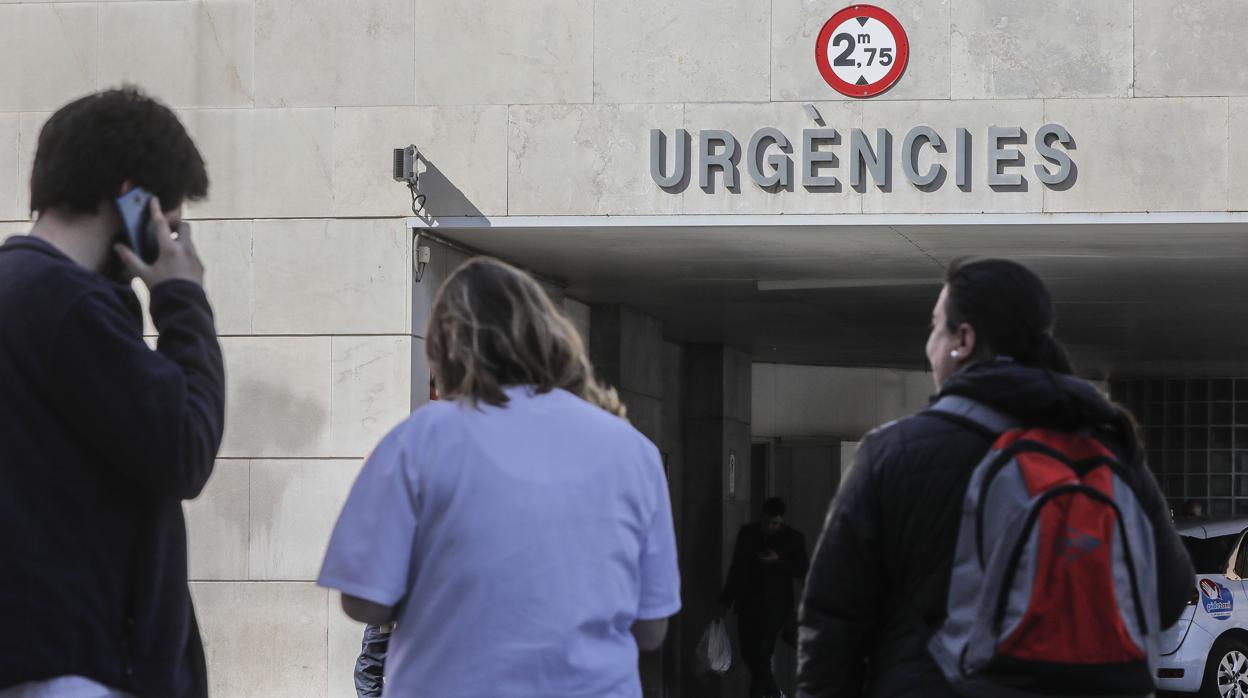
1217	599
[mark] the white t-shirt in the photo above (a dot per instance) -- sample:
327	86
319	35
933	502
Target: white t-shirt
522	541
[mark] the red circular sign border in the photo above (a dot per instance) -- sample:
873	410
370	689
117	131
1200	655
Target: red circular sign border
883	84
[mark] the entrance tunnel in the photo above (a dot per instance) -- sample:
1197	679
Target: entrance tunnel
757	350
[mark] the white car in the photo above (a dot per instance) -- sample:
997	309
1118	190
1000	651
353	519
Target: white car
1206	651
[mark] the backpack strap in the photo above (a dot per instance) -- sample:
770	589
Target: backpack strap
976	415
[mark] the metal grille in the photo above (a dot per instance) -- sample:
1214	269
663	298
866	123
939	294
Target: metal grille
1196	431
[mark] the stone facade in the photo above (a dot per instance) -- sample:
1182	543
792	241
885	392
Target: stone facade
543	108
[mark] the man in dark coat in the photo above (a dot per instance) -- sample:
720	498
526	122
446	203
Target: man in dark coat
880	574
101	436
768	558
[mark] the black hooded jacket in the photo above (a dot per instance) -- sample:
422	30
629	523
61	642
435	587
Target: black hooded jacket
879	578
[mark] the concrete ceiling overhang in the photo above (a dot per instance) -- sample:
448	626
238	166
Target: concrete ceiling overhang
1137	294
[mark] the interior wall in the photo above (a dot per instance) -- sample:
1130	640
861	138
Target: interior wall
832	401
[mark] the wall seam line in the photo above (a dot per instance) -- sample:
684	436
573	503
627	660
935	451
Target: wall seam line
949	40
1044	119
330	364
507	160
255	93
593	52
1226	178
416	69
771	51
1131	90
247	559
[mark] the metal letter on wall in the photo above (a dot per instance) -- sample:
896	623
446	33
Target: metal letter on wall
1065	165
910	155
876	160
812	156
999	158
782	166
962	168
721	159
658	153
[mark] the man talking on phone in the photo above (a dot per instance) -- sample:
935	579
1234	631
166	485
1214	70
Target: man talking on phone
102	437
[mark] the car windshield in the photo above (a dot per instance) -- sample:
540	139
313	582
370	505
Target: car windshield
1210	555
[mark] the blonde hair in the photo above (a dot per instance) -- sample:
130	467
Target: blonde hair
493	326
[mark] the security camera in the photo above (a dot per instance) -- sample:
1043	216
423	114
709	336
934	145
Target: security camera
405	164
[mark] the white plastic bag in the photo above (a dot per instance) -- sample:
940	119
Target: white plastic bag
715	649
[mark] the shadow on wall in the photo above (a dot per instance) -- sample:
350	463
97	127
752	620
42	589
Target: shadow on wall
275	421
441	196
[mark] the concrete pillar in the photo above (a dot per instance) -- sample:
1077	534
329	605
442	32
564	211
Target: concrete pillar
672	447
627	349
715	477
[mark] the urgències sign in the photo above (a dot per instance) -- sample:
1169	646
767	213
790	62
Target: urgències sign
861	52
769	158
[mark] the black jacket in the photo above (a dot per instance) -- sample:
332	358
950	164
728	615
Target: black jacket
879	579
101	438
757	587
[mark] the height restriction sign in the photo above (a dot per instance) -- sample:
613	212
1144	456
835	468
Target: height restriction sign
861	51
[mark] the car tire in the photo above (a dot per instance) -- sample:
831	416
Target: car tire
1227	666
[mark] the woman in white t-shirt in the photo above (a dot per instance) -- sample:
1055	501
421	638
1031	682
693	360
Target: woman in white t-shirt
519	530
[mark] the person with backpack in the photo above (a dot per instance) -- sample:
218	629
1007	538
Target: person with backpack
1008	540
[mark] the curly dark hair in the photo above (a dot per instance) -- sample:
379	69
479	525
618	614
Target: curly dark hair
92	145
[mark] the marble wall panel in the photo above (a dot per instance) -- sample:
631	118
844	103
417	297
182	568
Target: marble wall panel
187	54
484	52
329	52
1002	49
331	276
463	169
371	390
689	51
58	38
1237	173
277	397
263	639
1190	48
589	160
225	247
10	168
265	163
1144	154
29	125
218	524
294	506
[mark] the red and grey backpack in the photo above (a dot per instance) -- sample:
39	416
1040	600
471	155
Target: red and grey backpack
1053	589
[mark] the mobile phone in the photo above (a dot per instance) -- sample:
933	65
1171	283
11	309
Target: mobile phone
133	207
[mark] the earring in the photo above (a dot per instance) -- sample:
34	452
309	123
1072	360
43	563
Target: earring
954	354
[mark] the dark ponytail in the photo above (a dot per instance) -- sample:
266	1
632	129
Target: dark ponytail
1010	310
1052	355
1012	314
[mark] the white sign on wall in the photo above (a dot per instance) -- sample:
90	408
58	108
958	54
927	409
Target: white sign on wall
862	51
